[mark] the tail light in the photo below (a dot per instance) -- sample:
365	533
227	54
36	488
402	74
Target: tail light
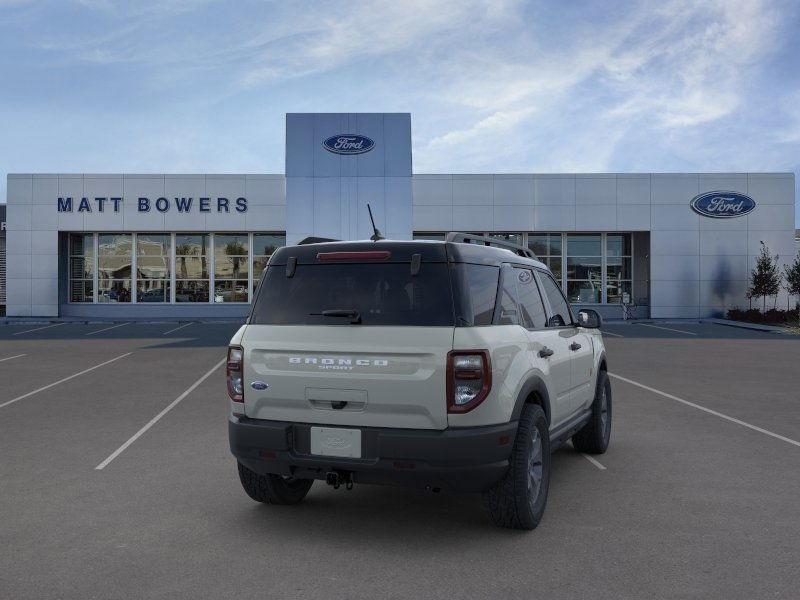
235	373
469	379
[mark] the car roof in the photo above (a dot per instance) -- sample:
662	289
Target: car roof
402	251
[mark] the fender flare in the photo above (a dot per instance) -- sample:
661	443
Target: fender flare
602	361
536	384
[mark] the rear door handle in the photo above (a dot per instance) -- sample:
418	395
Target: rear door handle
574	346
545	352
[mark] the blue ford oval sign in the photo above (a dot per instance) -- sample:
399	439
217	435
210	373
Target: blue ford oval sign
347	143
723	205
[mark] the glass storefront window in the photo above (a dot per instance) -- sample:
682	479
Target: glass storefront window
81	267
547	248
231	266
191	267
264	244
585	268
114	267
153	260
619	268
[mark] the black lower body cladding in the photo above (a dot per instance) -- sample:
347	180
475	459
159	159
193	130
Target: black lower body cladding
469	459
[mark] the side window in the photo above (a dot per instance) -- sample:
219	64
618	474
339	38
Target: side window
507	301
561	314
530	301
482	285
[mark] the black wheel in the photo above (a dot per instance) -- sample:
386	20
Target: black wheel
518	500
273	489
595	435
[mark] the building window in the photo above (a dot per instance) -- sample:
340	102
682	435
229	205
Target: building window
264	244
548	249
153	259
114	267
191	268
585	268
619	268
231	262
81	267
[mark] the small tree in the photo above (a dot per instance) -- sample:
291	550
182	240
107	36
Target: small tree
792	276
765	279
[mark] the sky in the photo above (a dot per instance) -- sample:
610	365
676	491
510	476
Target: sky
497	86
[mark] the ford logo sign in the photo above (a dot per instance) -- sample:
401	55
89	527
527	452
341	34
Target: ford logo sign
259	385
723	205
347	143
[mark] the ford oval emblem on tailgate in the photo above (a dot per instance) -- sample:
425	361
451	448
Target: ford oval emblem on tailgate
259	385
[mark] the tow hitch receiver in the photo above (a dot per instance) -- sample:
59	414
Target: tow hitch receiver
338	478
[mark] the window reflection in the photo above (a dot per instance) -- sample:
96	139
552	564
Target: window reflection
114	267
231	266
191	267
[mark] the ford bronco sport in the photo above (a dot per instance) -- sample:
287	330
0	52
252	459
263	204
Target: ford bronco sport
452	365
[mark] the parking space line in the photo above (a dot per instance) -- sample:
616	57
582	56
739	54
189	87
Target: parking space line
604	332
708	410
107	328
177	328
594	461
49	385
667	328
10	357
38	328
155	419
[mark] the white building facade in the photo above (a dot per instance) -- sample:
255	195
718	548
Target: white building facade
126	246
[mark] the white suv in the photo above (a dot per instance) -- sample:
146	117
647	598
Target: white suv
437	364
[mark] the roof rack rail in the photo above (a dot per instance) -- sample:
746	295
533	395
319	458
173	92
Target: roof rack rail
315	240
468	238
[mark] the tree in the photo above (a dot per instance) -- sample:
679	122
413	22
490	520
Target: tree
765	279
792	276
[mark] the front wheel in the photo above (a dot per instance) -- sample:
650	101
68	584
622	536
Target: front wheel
273	489
518	500
595	435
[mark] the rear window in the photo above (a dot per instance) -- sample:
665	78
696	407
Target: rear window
382	294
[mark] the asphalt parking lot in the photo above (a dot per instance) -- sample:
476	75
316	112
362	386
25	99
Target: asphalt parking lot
697	497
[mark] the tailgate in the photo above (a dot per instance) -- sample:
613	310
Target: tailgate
369	376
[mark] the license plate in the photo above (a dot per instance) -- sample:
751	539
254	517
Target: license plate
332	441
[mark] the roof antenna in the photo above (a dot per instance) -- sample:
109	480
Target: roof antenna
377	234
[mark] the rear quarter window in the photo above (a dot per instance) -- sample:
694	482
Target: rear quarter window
383	294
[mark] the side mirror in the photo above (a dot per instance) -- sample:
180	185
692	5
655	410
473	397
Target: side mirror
589	318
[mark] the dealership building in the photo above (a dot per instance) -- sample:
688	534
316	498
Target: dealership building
126	246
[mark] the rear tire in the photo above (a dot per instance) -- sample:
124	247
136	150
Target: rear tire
273	489
595	435
518	500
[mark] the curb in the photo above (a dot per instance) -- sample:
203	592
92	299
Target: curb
746	325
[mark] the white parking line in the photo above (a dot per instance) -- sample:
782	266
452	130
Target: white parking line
155	419
176	329
10	357
708	410
594	461
39	328
107	328
606	332
49	385
667	329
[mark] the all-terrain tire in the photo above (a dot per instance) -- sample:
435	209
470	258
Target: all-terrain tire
273	489
595	435
517	501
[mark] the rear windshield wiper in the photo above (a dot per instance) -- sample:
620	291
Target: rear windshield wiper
346	313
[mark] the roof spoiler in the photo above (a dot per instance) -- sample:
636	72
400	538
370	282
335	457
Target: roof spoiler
468	238
315	240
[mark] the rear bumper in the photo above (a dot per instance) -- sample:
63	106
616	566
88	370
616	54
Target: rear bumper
469	459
